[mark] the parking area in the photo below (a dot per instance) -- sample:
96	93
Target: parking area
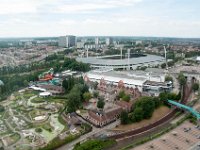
183	137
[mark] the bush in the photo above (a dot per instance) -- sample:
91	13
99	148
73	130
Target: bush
38	130
126	98
94	144
2	109
168	78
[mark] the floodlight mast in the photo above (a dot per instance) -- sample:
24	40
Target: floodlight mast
129	59
166	58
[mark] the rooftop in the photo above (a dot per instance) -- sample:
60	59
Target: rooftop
137	60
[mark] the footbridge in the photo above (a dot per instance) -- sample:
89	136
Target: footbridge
184	107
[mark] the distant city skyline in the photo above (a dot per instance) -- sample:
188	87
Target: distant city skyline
149	18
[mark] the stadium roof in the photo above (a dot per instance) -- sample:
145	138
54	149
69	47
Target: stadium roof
112	62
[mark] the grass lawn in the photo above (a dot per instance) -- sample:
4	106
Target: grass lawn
23	147
38	100
63	122
47	127
29	93
158	114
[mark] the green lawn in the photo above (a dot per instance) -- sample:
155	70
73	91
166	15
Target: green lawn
38	100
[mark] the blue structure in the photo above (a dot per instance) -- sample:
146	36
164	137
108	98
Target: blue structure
54	81
181	106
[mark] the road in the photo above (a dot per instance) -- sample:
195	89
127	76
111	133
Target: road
84	137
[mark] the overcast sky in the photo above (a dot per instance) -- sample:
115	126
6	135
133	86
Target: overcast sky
168	18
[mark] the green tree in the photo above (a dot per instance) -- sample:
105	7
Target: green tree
163	96
68	84
181	79
147	104
157	101
195	87
168	78
74	99
126	98
95	94
100	104
124	117
87	96
137	114
172	96
121	94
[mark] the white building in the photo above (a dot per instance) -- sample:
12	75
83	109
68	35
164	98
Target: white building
109	41
138	42
67	41
134	79
80	44
96	41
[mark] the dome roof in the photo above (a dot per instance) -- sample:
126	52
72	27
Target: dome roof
1	83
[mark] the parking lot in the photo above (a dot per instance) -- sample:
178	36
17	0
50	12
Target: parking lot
183	137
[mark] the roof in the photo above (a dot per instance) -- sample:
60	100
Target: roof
153	83
128	77
103	116
115	62
124	104
45	94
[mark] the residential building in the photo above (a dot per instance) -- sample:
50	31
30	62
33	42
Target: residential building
109	41
67	41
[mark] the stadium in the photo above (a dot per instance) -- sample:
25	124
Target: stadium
132	61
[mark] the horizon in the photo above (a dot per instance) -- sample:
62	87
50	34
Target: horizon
100	36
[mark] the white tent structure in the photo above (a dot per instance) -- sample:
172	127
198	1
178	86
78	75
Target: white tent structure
45	94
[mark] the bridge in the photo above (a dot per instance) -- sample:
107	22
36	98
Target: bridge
184	107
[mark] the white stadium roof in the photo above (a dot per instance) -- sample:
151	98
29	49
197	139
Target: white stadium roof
118	62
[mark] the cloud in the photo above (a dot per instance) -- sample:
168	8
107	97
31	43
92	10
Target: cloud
60	6
99	17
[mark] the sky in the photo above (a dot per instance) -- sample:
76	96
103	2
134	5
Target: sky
157	18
